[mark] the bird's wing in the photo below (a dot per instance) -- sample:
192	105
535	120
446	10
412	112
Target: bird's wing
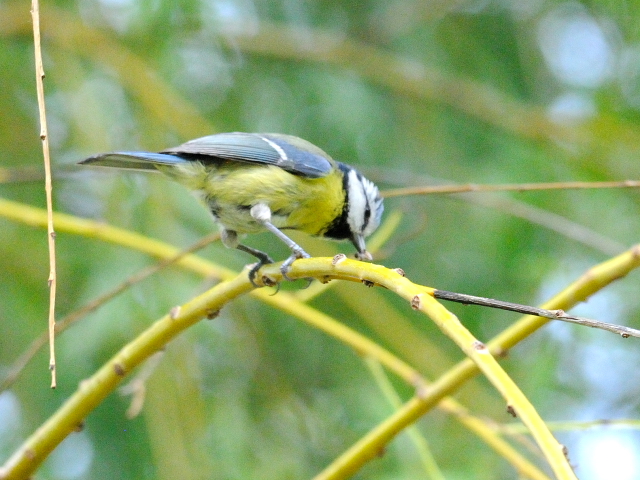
133	160
289	153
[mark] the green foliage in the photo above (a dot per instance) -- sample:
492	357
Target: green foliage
413	93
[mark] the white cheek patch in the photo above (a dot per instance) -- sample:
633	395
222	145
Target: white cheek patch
357	203
375	205
365	205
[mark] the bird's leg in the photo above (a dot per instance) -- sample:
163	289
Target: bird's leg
263	259
230	240
262	214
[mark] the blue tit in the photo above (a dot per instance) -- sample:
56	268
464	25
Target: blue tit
252	182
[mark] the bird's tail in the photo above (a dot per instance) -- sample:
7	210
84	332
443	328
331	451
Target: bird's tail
133	160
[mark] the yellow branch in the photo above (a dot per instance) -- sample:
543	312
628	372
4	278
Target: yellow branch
420	299
92	392
70	416
590	282
36	217
283	301
357	271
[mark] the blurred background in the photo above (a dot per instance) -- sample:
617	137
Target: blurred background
412	93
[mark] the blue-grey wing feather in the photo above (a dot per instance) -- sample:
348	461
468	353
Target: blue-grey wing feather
267	149
133	160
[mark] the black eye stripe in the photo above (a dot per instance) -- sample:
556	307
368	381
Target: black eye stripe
359	213
339	229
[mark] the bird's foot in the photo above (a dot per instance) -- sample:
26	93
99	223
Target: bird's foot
262	261
296	253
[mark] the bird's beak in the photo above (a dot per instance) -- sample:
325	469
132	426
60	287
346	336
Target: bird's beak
358	242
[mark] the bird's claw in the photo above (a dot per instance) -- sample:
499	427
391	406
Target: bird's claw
286	266
261	263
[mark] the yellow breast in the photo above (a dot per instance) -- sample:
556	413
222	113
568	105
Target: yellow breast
230	189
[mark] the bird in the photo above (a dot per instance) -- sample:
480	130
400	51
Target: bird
252	182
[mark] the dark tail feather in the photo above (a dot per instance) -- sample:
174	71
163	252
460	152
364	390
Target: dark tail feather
133	160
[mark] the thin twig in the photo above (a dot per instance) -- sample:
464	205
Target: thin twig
509	187
624	332
51	235
559	426
535	215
